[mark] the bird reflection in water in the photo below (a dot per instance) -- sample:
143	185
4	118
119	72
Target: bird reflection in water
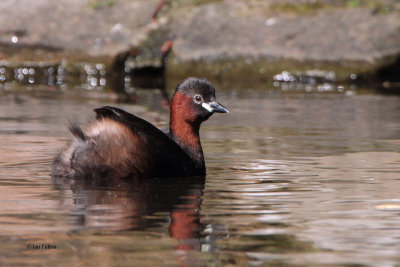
136	204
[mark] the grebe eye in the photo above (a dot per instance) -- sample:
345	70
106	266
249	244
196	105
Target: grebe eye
198	98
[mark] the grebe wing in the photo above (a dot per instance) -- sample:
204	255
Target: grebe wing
160	148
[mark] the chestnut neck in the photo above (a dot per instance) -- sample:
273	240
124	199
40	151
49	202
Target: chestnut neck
184	128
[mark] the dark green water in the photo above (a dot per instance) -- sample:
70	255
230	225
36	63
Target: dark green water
295	178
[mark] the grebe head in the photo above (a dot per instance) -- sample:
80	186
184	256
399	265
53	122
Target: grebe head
194	101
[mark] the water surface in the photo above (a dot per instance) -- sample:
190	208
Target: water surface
294	178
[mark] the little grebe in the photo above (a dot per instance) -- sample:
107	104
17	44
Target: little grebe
119	144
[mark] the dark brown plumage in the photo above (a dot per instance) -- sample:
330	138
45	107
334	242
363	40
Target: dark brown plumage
119	144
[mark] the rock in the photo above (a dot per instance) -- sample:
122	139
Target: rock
73	28
231	33
216	32
255	39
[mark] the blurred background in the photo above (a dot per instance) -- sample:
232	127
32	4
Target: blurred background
291	45
303	171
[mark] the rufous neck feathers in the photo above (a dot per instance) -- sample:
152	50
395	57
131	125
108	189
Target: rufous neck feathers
184	127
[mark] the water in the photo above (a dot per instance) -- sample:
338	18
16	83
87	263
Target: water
295	178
